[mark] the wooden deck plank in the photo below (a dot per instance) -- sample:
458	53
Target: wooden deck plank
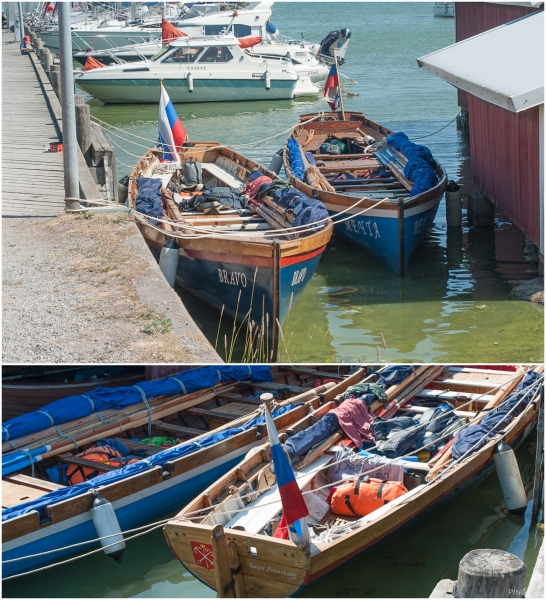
32	179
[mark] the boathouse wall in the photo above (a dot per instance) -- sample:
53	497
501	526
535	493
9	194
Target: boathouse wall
505	161
504	145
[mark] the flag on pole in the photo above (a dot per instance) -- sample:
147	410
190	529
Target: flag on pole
331	88
294	508
171	131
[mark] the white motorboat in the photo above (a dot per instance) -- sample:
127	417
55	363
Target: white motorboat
210	68
444	9
199	20
311	60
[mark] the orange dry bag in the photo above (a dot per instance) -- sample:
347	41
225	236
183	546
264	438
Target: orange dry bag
360	498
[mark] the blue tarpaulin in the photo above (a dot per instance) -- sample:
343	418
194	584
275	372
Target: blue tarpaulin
102	398
394	374
139	467
492	423
294	157
420	165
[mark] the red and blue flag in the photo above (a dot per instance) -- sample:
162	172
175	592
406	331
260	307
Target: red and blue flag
294	508
171	131
331	88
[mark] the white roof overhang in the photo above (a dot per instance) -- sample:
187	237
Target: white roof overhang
504	66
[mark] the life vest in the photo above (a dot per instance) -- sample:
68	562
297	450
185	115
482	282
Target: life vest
105	455
360	498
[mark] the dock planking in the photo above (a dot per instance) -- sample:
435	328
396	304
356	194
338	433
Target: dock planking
32	178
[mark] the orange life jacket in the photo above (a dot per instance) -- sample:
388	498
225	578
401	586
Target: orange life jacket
105	455
360	498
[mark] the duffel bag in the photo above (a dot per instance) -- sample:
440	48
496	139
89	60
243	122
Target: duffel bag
192	171
360	498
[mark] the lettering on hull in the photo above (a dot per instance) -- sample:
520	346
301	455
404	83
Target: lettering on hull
364	227
232	278
299	276
272	570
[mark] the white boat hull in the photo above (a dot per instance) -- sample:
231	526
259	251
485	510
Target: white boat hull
123	91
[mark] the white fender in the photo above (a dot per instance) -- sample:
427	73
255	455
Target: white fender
267	78
168	260
189	78
510	479
106	523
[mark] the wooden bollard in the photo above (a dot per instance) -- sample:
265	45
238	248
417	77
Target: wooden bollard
33	38
47	60
485	574
83	125
55	76
39	46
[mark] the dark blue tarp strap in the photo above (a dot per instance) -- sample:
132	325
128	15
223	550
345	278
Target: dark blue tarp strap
5	430
181	384
144	399
148	462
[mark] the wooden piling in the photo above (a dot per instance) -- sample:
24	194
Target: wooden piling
83	126
47	60
55	77
39	46
491	574
225	585
485	573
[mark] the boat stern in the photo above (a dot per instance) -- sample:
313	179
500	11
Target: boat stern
260	566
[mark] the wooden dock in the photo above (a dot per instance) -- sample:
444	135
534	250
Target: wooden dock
32	178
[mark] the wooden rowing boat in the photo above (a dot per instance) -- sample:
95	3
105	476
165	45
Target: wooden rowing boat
234	260
246	561
156	490
396	222
24	389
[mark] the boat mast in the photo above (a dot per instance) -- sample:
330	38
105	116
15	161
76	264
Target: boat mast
339	84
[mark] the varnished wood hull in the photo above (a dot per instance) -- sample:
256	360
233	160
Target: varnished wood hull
278	568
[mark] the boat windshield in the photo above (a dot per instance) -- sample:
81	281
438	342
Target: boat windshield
183	55
161	53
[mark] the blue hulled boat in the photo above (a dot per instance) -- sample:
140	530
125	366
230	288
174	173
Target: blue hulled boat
391	186
248	244
206	419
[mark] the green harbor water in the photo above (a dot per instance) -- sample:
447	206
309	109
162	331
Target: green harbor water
454	304
406	566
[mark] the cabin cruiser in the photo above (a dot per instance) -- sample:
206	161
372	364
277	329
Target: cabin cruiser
208	19
198	69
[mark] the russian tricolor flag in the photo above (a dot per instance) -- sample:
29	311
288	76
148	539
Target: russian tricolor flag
294	508
171	131
331	88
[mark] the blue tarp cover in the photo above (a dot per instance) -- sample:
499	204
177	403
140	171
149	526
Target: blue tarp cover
306	210
420	165
102	398
495	420
394	374
294	157
139	467
149	200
